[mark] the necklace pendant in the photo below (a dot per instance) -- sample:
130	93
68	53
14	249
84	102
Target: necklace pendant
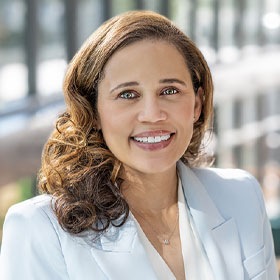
166	242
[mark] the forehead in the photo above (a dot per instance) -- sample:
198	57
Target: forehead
155	57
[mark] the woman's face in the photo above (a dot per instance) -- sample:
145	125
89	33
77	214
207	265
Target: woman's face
146	105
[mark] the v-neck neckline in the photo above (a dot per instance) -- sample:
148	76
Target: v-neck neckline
189	243
156	259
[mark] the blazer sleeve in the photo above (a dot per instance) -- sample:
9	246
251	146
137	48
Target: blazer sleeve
270	259
30	246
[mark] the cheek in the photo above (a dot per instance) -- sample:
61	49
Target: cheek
110	127
106	121
110	131
106	114
113	123
184	116
185	113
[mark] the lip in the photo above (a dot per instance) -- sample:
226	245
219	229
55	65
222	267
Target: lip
153	133
153	146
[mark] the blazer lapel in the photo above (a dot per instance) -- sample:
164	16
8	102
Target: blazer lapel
121	255
218	236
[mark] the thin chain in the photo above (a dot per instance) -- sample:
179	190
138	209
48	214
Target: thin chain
166	241
177	217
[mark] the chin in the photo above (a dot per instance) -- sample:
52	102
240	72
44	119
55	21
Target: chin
152	166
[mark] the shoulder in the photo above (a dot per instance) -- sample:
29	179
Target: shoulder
238	195
31	239
32	214
40	201
228	179
233	189
225	174
37	208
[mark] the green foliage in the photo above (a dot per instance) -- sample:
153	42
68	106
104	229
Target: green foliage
26	188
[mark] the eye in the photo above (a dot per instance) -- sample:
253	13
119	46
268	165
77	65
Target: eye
127	95
169	91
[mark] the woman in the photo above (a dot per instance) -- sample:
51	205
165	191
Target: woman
123	197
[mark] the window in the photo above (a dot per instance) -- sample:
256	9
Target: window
51	49
13	71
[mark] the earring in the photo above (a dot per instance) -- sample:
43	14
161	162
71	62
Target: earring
193	119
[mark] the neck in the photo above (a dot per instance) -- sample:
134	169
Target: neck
150	194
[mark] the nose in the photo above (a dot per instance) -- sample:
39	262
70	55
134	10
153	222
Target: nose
152	111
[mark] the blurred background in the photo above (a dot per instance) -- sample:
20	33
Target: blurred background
239	38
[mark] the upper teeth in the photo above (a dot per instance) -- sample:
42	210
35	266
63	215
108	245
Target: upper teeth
152	139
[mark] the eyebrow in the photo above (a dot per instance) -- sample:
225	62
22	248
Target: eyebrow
134	83
170	81
128	84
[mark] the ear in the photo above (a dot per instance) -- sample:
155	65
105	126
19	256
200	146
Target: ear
198	103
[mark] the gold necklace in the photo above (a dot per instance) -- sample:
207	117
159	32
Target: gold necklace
165	241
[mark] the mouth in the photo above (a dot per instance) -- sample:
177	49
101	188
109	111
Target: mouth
153	139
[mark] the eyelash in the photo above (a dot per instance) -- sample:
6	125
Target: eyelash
127	92
121	95
171	89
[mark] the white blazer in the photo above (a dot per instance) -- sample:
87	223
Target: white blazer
227	208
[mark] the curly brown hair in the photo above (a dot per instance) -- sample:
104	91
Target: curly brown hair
78	169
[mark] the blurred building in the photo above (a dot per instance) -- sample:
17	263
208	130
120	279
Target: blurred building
239	38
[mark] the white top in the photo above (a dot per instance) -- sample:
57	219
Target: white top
196	263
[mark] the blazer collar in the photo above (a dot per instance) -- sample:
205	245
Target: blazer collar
119	239
197	197
121	255
219	236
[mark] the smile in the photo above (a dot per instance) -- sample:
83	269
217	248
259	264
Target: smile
152	139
